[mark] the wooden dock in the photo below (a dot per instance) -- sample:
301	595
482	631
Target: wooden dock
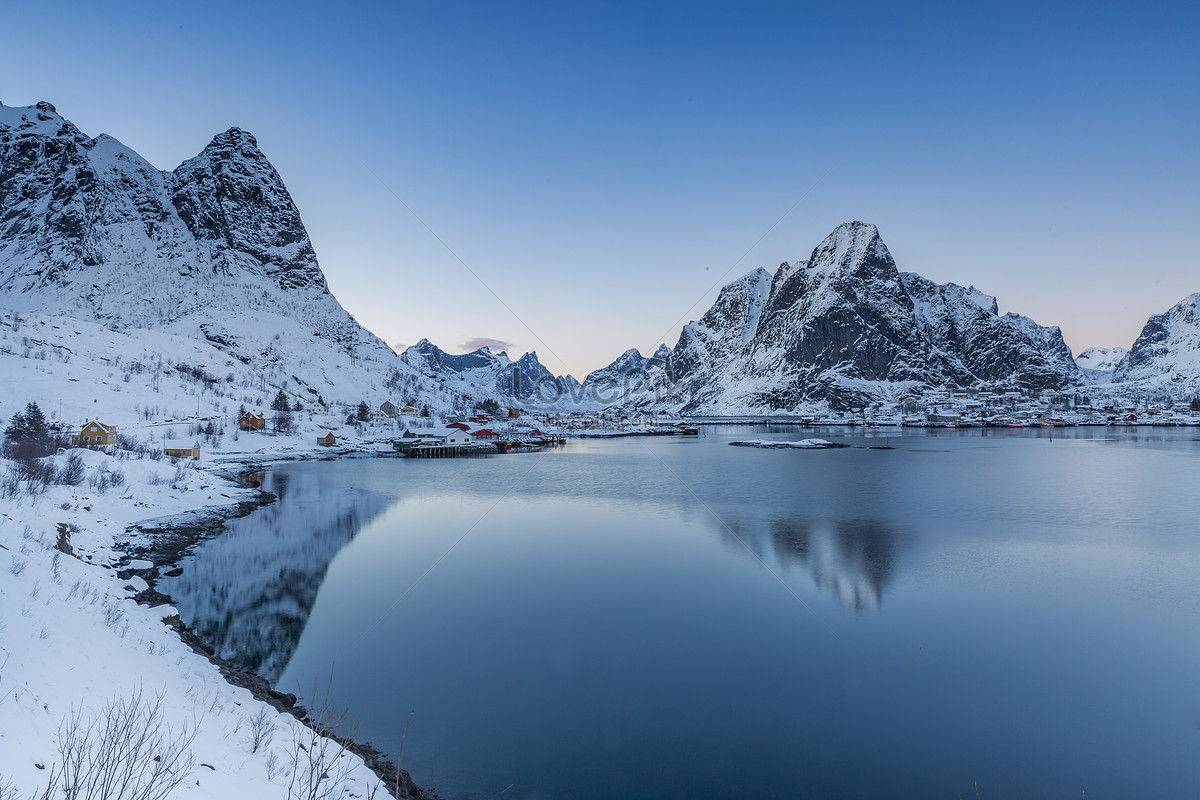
450	451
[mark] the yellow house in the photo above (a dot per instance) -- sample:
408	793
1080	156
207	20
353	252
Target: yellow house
183	452
95	434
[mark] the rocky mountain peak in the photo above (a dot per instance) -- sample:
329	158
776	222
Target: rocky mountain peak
233	139
236	206
853	248
1167	352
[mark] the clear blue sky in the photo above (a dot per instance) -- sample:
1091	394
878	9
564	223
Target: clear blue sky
599	166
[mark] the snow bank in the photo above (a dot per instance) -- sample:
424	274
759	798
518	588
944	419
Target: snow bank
73	643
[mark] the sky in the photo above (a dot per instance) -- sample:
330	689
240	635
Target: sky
576	178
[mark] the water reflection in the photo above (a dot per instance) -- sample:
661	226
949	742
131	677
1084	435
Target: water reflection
249	592
852	560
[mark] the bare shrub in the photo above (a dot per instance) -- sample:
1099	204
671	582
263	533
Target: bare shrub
183	471
10	484
113	615
259	730
72	472
30	477
319	761
17	566
126	752
100	482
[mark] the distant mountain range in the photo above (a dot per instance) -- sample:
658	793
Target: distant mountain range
215	252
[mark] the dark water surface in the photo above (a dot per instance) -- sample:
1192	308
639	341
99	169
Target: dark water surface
677	618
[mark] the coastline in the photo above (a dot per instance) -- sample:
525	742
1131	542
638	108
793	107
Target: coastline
83	629
165	542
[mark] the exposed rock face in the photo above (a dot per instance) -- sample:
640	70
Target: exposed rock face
92	218
1166	356
846	328
214	251
235	205
522	382
629	372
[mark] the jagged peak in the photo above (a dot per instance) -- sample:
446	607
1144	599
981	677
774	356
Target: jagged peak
848	248
233	138
758	273
1192	301
40	119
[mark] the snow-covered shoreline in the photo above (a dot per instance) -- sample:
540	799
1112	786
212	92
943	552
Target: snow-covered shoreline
75	642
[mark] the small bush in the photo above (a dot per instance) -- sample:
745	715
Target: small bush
127	751
260	730
72	472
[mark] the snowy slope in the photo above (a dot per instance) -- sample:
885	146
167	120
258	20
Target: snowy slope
73	641
1097	363
214	252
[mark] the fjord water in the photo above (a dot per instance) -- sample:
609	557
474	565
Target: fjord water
677	618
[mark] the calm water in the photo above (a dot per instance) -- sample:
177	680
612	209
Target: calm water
677	618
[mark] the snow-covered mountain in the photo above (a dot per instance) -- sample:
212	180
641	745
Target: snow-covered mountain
1097	363
214	259
844	329
524	382
1165	359
627	373
213	252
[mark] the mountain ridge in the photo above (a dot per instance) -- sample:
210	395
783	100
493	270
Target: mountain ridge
215	250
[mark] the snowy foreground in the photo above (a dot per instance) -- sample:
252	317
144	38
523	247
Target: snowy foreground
78	656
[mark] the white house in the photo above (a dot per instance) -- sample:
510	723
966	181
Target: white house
455	436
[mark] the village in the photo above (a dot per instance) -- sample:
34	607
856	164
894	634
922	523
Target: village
490	429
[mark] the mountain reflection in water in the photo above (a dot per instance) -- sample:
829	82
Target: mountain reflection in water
850	559
249	591
595	627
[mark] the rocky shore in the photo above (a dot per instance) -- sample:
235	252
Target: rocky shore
156	547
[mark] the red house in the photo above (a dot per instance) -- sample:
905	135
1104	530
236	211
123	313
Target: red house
462	426
485	433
